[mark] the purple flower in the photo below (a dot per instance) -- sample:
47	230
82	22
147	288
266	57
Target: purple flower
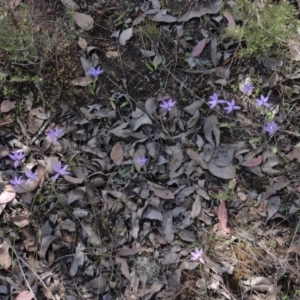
30	175
16	157
16	181
141	161
247	88
214	100
95	72
271	127
59	171
263	101
231	106
197	255
55	134
168	104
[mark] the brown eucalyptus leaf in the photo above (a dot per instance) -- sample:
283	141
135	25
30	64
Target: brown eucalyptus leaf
168	227
273	207
210	127
294	154
117	153
175	161
196	208
197	158
84	21
25	295
256	161
5	259
82	81
8	193
153	214
82	43
223	216
227	172
230	19
124	267
125	36
193	107
223	156
161	17
139	19
162	193
197	50
130	251
7	106
209	7
193	121
70	4
98	284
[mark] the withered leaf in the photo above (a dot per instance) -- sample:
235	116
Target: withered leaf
84	21
294	154
196	158
117	153
5	259
210	126
227	172
196	208
223	216
256	161
197	50
273	207
125	36
168	227
7	106
25	295
124	267
162	193
130	251
70	4
82	81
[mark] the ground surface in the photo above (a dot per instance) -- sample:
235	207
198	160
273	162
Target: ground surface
146	185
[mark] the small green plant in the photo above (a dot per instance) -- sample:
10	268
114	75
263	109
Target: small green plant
265	25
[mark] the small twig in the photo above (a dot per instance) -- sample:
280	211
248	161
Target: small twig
42	129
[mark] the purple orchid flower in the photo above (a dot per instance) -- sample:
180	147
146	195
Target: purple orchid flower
263	101
141	161
55	134
30	175
17	157
214	100
231	106
197	255
95	72
60	171
271	127
247	88
16	181
168	104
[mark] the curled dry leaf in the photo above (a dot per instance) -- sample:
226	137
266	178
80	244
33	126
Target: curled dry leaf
84	21
125	36
223	216
117	153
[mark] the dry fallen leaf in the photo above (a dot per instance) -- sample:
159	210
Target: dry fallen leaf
211	127
70	4
223	216
199	48
82	43
294	154
230	19
14	3
5	259
7	106
117	153
256	161
227	172
124	267
162	193
125	36
25	295
8	193
84	21
82	81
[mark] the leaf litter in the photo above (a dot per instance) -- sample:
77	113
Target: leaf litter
147	184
